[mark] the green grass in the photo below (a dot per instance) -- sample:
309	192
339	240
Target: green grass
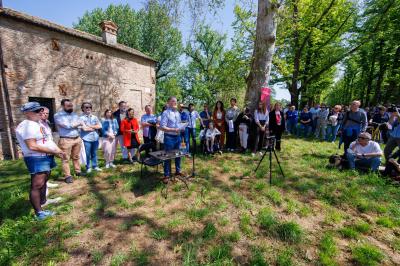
289	232
285	257
367	255
328	250
222	219
266	219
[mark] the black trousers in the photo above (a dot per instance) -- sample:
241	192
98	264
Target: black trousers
231	139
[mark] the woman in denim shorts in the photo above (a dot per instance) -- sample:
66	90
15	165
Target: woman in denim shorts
38	150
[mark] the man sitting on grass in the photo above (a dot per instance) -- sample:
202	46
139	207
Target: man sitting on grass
364	153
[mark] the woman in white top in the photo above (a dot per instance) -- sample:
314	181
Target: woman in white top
261	119
38	151
210	133
333	124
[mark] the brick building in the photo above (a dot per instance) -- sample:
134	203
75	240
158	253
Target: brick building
46	62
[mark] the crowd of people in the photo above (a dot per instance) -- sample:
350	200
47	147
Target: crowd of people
221	129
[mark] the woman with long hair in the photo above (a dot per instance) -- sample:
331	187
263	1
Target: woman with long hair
130	130
219	120
277	124
261	120
109	131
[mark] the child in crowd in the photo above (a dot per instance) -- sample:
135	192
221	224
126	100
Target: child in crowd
209	135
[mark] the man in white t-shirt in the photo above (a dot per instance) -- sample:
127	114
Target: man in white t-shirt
38	150
364	153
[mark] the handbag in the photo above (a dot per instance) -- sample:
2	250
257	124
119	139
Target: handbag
160	136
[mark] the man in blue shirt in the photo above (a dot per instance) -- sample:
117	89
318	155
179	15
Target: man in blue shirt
394	135
171	125
185	119
305	123
291	118
205	116
68	125
314	111
148	122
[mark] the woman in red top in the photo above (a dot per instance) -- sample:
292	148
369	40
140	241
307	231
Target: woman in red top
130	130
219	121
277	124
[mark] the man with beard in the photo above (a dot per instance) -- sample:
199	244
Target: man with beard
68	124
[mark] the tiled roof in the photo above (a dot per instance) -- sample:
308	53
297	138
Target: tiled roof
76	33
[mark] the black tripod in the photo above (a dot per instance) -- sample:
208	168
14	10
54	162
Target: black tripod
270	149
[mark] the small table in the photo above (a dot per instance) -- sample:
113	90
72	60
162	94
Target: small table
169	155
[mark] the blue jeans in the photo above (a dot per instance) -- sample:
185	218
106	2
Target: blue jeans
172	142
185	136
291	126
314	124
91	148
39	164
305	129
372	163
331	132
191	135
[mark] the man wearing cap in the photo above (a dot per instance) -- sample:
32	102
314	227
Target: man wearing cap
68	124
364	153
38	151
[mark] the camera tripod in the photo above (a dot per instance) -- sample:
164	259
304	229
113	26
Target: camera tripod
270	149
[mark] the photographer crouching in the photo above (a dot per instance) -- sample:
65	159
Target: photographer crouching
364	153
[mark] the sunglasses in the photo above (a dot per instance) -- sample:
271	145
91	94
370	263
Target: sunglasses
363	138
88	107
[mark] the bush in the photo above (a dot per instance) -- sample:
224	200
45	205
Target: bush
367	255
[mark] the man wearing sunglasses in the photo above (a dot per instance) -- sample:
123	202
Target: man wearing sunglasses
364	153
68	125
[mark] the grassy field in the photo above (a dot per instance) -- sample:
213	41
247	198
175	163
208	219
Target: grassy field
228	216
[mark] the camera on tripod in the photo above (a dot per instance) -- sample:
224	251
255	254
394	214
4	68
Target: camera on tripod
269	142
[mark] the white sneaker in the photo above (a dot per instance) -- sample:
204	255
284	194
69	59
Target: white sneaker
260	153
112	165
53	201
51	185
253	154
107	165
89	170
98	169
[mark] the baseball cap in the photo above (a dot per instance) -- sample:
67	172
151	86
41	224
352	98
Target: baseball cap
31	107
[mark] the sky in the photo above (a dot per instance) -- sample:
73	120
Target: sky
67	13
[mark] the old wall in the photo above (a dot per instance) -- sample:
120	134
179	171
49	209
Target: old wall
43	63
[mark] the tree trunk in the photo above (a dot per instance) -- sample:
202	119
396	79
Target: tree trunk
381	73
263	52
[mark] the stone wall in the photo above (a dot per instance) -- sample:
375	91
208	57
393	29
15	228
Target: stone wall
40	62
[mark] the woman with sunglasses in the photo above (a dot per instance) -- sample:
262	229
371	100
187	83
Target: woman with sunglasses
90	136
38	150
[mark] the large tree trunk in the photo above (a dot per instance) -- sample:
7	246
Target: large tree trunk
264	47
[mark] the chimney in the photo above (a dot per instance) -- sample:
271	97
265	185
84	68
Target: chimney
109	31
